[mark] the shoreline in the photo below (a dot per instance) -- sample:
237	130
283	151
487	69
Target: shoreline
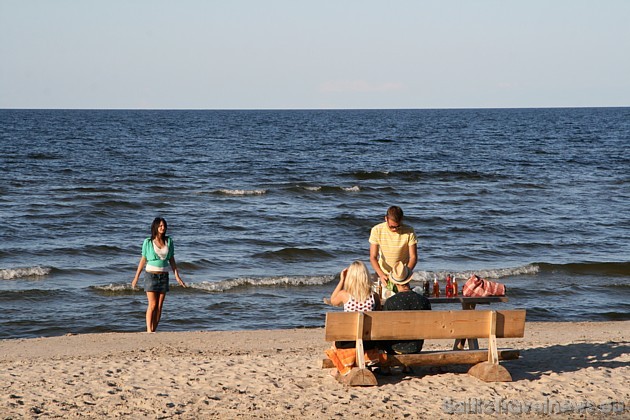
278	374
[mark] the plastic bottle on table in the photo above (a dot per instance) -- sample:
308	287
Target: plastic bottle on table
455	292
376	287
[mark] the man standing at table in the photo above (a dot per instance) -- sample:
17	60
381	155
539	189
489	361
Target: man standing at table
391	242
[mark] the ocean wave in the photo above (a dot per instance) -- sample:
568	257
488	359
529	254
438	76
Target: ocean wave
352	219
243	282
225	191
536	313
590	268
416	175
225	285
32	296
328	188
190	266
369	175
295	254
126	289
118	204
102	191
43	156
115	288
24	272
91	250
488	273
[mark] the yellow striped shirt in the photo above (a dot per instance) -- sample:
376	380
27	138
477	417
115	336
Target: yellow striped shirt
393	246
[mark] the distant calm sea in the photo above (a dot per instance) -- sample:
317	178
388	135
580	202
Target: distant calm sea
266	207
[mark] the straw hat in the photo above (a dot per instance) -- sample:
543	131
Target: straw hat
400	274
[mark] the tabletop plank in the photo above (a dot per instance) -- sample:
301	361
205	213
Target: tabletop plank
465	299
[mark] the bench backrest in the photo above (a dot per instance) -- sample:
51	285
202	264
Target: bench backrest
410	325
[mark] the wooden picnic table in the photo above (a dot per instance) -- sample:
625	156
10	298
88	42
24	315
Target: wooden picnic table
414	325
468	303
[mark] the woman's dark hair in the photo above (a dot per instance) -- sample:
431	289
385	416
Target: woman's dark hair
154	228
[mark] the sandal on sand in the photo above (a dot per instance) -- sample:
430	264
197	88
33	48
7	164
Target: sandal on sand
382	371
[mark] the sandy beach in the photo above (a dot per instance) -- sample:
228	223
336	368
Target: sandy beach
568	370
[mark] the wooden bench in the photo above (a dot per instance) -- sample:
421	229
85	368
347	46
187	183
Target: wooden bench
416	325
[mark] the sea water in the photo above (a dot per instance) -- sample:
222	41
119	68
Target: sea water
266	207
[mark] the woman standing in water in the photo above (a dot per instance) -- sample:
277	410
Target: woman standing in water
158	253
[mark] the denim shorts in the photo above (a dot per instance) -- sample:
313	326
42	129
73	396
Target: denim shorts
156	282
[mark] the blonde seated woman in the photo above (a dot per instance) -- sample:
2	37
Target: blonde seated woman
354	292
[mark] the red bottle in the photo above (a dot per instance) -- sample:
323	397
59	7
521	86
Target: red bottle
449	287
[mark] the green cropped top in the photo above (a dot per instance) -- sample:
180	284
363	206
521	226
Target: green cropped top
154	262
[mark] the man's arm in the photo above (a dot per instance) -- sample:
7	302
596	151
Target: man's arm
413	256
374	261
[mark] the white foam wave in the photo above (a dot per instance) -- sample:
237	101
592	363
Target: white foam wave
318	188
21	272
225	285
242	192
115	287
125	287
490	273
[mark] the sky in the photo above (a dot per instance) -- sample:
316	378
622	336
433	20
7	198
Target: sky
323	54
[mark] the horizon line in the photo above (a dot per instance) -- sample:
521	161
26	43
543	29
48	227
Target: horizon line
313	109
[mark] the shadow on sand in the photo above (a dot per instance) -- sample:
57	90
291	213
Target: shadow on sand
537	362
534	363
